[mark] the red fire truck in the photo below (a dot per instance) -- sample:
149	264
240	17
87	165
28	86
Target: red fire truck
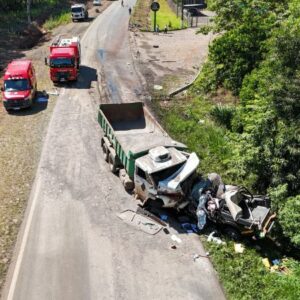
20	86
64	59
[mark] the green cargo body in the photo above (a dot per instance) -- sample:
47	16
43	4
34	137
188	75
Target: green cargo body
132	132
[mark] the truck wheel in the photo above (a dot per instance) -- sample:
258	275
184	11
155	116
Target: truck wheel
112	164
105	152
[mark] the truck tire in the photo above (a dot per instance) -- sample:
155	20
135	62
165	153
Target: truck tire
105	152
112	163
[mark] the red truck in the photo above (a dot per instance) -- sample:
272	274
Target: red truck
20	86
64	59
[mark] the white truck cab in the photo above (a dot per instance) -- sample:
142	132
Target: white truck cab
79	12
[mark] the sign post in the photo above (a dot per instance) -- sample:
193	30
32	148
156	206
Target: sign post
154	7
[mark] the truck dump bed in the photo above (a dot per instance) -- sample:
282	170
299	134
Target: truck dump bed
133	127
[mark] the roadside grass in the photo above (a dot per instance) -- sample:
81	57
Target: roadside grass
189	120
63	18
244	276
143	18
166	17
141	15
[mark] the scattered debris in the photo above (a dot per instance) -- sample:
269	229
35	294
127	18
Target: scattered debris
157	87
214	239
173	247
176	239
164	217
276	261
189	228
53	93
277	266
166	231
239	248
141	222
155	46
266	263
196	256
150	215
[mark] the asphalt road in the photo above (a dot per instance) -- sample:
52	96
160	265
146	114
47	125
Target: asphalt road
72	245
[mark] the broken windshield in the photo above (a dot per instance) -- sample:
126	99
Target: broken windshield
159	176
76	10
16	85
61	62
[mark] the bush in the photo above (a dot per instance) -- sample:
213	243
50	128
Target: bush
223	115
290	219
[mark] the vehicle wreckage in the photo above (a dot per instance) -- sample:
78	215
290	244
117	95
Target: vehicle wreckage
158	168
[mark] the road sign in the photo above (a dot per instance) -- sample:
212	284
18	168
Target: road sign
155	6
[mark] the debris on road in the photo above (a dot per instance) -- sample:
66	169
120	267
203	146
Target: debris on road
175	238
164	217
139	221
189	228
196	256
53	93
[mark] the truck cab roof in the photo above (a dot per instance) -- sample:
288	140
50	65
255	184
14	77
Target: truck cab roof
18	67
160	158
62	52
78	5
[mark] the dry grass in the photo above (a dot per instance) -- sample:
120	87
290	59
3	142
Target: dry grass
21	135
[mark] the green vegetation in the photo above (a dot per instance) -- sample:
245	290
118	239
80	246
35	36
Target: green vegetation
254	139
143	17
13	14
245	277
166	17
63	18
257	58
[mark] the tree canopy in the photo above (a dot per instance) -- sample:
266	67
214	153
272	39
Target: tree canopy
257	57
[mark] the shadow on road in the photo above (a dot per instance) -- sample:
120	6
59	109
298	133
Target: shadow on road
86	76
40	103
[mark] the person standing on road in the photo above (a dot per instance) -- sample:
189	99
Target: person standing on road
122	3
129	10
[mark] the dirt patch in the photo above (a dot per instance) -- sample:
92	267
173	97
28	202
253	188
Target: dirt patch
170	60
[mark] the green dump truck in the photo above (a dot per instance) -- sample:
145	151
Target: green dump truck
147	159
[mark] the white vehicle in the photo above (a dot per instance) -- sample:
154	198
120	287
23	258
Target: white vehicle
79	12
97	2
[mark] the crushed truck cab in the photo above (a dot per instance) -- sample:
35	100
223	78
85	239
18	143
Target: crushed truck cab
147	159
64	59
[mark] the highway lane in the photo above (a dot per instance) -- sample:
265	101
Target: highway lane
73	246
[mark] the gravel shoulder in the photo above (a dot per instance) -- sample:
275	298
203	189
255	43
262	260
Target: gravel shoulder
21	138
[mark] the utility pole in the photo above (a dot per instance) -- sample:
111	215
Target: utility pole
154	7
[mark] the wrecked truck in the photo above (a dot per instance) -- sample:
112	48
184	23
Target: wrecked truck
147	159
234	208
160	169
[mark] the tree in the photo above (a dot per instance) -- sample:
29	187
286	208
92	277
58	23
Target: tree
29	11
